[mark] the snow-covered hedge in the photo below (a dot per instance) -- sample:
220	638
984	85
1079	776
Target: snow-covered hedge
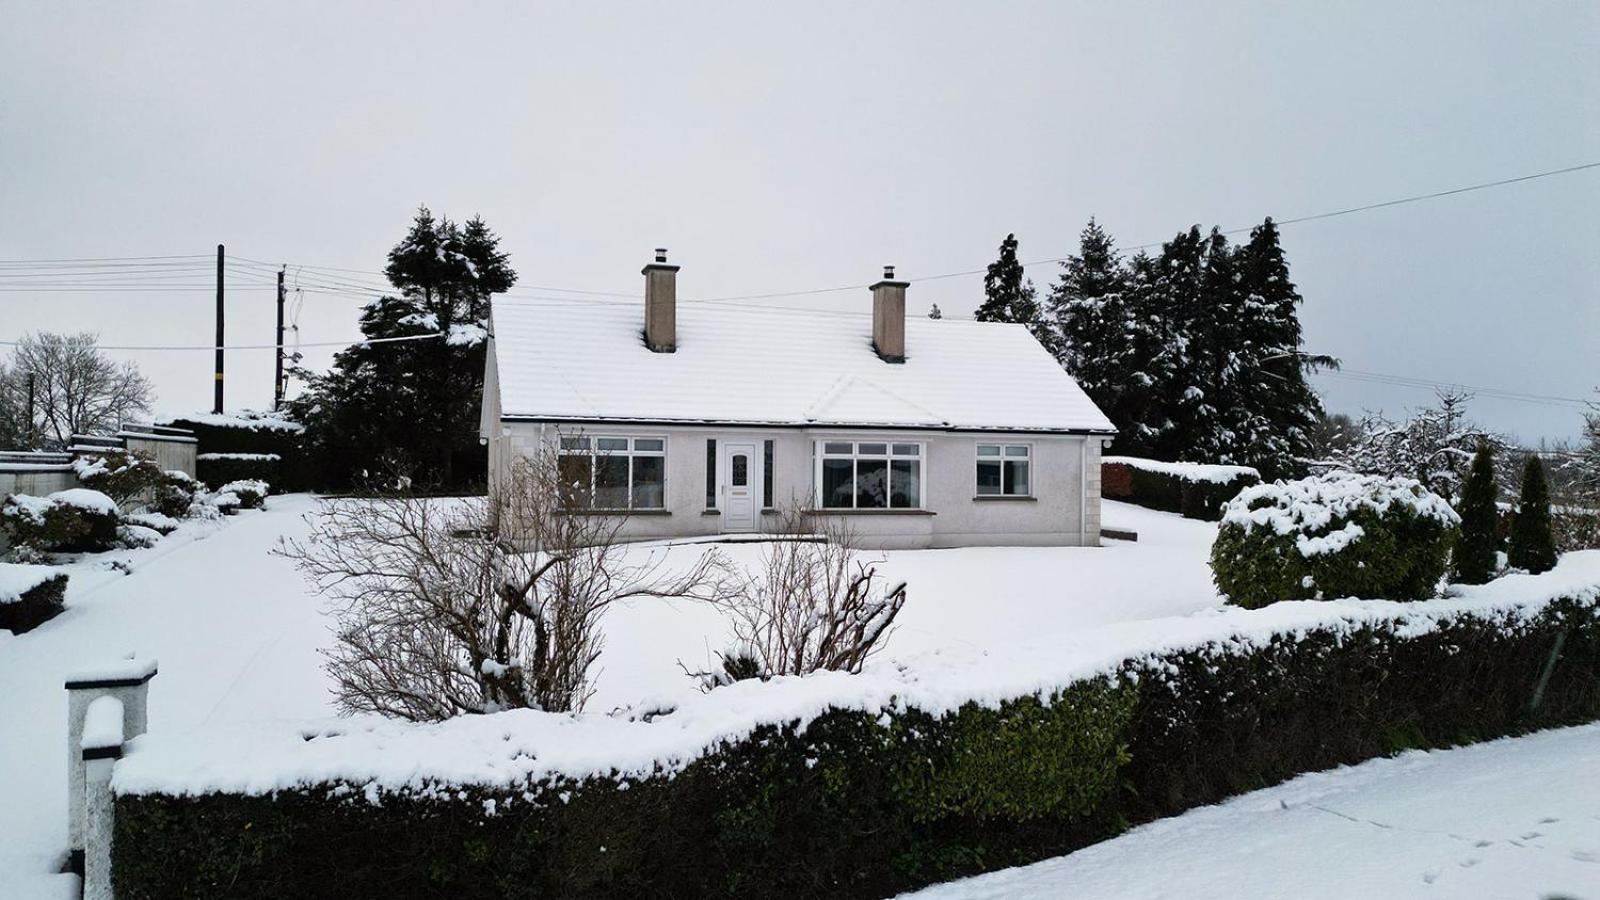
1334	535
221	468
29	595
915	771
252	493
119	474
74	520
1196	490
248	445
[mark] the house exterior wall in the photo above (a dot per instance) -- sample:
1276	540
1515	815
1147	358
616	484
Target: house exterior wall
1063	509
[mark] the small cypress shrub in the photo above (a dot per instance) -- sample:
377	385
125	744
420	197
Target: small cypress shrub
1474	561
1533	546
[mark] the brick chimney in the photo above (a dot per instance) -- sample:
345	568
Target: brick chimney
889	317
661	304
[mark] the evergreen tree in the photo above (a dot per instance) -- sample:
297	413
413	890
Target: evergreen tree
1141	362
1277	388
1176	301
1533	546
1010	297
1087	310
1475	553
934	313
413	403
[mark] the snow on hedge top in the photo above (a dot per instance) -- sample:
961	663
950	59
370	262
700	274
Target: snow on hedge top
1311	504
247	419
1188	471
508	749
83	498
559	360
17	579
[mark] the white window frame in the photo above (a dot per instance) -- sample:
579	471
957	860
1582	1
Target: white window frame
978	457
819	452
589	445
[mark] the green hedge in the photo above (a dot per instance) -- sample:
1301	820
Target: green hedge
1194	499
34	606
222	471
56	526
237	436
865	804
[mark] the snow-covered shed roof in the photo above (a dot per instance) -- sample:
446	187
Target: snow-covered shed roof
564	360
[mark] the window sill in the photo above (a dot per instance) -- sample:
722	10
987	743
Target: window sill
711	511
870	512
614	512
1008	497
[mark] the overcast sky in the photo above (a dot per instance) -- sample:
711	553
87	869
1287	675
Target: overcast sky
800	146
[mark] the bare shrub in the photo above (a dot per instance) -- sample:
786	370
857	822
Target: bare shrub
814	605
451	606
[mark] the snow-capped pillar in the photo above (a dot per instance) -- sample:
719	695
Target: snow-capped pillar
101	747
661	304
127	682
889	317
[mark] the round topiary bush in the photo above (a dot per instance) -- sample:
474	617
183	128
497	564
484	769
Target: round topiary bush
77	520
175	494
1337	535
251	492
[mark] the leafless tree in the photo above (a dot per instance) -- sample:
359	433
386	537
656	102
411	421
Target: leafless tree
814	605
450	606
77	389
1435	446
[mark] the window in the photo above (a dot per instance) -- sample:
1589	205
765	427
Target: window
869	475
711	473
766	474
1003	470
608	472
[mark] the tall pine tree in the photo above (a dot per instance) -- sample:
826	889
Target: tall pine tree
1532	546
413	404
1087	308
1008	296
1475	561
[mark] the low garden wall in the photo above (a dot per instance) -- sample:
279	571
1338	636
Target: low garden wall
1194	490
837	785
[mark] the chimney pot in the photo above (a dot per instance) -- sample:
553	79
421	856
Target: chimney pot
661	254
888	273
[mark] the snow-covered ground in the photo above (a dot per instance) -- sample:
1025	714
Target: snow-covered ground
1511	818
237	635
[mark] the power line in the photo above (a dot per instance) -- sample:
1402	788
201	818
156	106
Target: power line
213	347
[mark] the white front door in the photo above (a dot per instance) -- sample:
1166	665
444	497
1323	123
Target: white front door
740	481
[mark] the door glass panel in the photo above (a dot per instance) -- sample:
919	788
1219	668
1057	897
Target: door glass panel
741	470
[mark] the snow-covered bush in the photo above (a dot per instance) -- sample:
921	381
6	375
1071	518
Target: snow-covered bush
855	786
120	474
251	493
29	595
74	520
1336	535
221	468
175	494
1195	490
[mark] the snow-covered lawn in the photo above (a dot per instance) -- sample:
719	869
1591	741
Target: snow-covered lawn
1518	817
237	635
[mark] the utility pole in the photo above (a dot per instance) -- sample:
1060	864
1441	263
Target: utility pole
216	402
33	434
277	376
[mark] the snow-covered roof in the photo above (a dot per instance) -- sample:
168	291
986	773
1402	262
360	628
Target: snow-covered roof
566	360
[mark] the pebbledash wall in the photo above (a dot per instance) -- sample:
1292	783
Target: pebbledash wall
1064	508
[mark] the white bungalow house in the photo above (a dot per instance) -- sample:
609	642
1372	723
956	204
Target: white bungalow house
703	418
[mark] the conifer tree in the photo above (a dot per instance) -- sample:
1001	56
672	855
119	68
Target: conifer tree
1141	362
1475	561
413	403
1087	309
1533	545
1177	302
1007	295
934	313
